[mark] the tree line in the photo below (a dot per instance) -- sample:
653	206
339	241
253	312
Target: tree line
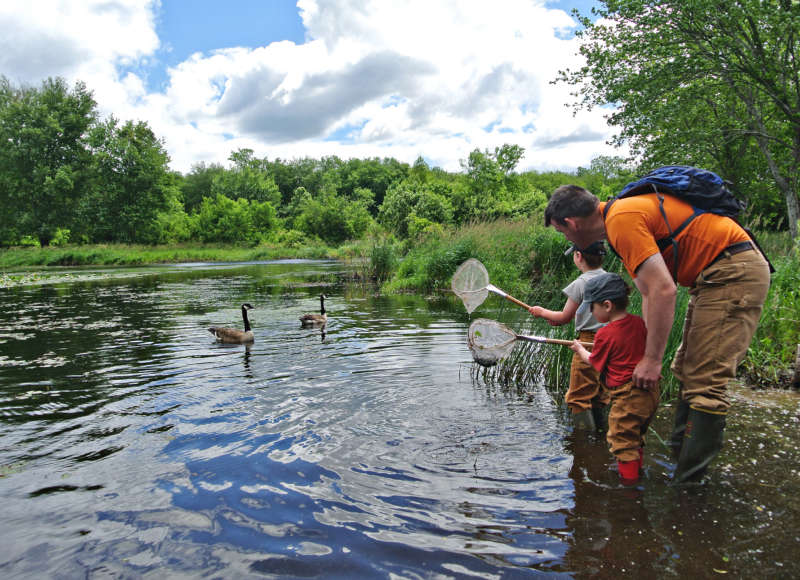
692	83
67	176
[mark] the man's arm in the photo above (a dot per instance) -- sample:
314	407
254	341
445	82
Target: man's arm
658	310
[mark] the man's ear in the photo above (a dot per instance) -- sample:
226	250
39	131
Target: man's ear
571	223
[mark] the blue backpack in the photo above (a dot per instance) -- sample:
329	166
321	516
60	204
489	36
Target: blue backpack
704	190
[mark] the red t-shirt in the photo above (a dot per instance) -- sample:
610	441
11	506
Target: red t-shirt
618	348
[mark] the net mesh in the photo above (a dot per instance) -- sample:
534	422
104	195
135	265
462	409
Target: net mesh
469	283
489	341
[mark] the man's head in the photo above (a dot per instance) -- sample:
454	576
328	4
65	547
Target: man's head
569	201
573	211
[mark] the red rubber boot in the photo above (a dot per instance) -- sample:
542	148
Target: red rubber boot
628	472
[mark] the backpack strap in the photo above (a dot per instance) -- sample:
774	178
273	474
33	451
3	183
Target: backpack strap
668	241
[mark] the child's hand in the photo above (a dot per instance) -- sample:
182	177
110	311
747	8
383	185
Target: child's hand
536	310
580	350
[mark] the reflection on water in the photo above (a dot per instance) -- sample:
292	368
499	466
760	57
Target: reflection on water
132	444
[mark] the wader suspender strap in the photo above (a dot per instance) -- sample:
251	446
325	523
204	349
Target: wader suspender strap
670	240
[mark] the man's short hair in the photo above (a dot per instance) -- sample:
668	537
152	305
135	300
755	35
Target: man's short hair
569	201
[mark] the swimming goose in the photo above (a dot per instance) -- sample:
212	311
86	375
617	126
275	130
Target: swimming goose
233	335
316	319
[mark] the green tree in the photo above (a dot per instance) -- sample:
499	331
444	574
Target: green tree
43	155
133	184
375	175
333	218
222	219
297	204
410	200
197	184
701	80
607	175
247	179
490	186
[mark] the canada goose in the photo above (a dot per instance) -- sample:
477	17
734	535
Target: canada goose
233	335
316	319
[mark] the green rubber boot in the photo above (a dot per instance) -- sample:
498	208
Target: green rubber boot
600	416
676	440
584	420
702	441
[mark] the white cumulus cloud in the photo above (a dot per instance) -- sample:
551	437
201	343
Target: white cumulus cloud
436	78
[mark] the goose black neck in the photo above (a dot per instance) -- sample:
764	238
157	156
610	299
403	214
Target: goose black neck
246	321
322	305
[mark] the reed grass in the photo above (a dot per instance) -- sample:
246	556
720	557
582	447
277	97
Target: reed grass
771	356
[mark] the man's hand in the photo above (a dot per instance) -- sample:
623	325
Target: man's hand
647	373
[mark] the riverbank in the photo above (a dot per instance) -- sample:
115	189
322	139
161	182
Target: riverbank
139	255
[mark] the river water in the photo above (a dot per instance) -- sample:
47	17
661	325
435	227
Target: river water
132	445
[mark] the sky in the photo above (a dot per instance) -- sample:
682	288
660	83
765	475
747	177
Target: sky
354	78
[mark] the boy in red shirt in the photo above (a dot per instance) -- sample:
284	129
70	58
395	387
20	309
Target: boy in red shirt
618	348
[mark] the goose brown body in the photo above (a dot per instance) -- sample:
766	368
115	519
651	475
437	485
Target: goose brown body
316	319
234	335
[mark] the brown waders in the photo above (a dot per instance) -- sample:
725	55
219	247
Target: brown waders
724	307
586	396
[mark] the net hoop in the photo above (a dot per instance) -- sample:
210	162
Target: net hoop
490	341
470	283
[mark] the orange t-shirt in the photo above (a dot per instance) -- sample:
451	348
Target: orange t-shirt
633	225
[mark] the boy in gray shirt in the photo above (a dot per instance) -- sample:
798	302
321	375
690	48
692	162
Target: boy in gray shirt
586	396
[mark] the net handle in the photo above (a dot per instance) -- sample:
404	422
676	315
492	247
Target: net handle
560	341
496	290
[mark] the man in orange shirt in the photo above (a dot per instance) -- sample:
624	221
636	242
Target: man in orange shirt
728	280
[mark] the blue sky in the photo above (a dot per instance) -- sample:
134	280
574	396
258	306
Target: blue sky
189	26
353	78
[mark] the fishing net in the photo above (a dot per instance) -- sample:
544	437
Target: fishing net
489	341
469	283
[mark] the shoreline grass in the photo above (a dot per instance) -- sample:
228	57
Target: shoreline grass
139	255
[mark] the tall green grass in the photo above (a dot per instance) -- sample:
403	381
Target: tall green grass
517	255
771	355
527	260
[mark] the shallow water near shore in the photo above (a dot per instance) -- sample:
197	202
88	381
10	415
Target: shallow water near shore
132	444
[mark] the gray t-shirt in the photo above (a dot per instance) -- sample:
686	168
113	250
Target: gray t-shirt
583	320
